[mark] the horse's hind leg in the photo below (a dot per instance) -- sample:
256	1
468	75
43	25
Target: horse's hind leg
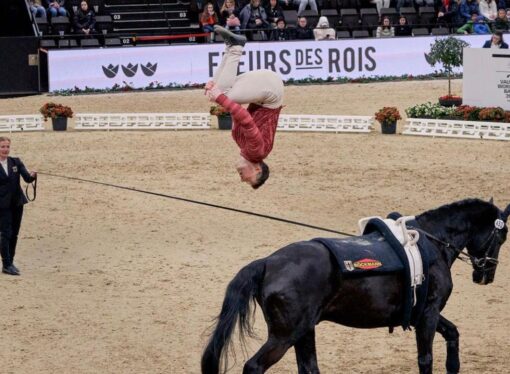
269	354
306	354
450	333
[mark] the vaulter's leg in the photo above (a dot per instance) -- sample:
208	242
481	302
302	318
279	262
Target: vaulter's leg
226	74
262	87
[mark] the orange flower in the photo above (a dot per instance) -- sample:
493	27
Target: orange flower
52	110
387	115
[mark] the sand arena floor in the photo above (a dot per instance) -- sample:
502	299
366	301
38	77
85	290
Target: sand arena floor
121	282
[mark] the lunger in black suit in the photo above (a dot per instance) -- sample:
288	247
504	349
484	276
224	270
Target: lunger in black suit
12	200
496	41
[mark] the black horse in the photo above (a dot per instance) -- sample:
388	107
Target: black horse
300	285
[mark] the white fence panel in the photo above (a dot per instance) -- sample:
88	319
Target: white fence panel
143	121
457	129
21	123
325	123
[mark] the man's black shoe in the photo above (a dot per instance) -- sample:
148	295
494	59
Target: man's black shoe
229	37
11	270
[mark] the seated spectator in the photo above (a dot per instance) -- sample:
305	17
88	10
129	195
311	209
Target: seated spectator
476	25
84	20
323	31
467	8
385	30
303	3
274	12
496	41
56	7
253	16
37	9
488	9
229	15
303	31
281	32
403	28
379	4
508	13
208	18
449	13
501	21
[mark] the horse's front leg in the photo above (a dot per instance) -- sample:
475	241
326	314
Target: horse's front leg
450	333
425	331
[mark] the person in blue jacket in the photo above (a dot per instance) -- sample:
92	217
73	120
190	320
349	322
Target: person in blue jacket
468	7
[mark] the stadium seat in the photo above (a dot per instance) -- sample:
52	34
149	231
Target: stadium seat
60	25
42	24
87	43
360	34
349	19
333	17
104	24
312	17
47	43
343	34
112	42
258	36
369	17
290	17
67	43
391	13
427	16
440	31
410	14
421	31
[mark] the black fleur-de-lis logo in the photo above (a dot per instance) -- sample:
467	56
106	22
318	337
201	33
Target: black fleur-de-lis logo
130	69
149	69
110	71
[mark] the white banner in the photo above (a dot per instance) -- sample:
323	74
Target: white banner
486	80
138	67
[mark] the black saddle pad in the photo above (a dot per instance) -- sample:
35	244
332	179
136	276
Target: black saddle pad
369	254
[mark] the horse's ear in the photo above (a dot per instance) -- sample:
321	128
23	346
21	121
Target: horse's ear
491	200
506	213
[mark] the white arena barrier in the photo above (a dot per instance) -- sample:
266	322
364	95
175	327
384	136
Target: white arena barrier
21	123
143	121
290	122
457	129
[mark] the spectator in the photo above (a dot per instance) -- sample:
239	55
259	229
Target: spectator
496	41
304	3
449	13
467	8
501	21
488	9
403	28
84	20
229	14
409	3
303	32
503	4
385	30
56	7
37	9
476	25
508	13
274	12
281	32
323	31
379	4
253	17
208	18
426	3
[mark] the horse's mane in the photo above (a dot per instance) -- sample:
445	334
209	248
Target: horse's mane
457	212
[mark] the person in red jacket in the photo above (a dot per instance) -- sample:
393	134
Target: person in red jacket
253	128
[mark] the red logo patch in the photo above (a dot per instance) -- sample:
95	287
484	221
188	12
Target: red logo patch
367	264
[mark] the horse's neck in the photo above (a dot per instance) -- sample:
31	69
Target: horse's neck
442	228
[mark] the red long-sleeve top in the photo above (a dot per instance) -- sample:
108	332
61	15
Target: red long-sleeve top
253	129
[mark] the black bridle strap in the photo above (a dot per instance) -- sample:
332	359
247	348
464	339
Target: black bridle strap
34	188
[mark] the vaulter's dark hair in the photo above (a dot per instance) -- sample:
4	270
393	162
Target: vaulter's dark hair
263	175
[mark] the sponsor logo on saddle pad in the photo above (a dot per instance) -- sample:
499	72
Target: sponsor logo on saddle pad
367	264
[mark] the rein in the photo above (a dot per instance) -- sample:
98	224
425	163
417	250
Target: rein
34	189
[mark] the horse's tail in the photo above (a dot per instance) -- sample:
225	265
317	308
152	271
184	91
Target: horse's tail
236	306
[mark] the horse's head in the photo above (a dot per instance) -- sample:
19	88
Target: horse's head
491	232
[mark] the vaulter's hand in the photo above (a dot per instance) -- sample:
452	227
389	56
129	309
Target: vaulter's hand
213	93
208	86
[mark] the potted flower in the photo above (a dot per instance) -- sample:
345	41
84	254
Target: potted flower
448	53
388	117
224	118
58	113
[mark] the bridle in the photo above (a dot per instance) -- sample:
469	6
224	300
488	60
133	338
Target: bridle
485	263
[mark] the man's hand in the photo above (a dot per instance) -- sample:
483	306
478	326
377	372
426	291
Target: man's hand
213	93
33	174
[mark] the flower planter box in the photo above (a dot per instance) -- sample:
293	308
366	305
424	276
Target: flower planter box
450	101
457	129
225	122
59	123
389	127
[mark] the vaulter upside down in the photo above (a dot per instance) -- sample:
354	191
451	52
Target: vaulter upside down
253	128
